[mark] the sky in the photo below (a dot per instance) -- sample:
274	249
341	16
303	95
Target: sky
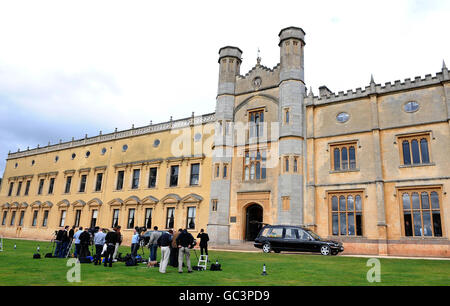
70	68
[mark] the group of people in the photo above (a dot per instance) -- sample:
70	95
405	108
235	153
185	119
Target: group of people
63	239
175	247
106	242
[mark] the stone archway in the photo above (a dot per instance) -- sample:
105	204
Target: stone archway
253	221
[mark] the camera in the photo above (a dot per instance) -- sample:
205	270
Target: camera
140	230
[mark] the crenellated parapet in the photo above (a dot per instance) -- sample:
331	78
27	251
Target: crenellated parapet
378	89
258	78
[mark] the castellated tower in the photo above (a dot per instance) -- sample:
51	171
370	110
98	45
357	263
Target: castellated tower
291	140
218	225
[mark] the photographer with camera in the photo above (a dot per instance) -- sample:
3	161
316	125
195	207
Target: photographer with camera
58	241
64	242
85	240
185	241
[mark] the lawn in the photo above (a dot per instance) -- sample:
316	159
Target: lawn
17	267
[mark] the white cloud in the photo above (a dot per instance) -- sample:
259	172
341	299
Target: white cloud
97	65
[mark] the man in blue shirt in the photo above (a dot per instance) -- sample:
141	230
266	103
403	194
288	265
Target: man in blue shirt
135	242
76	236
99	241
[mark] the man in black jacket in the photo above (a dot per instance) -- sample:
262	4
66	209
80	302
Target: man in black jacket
85	240
111	239
164	243
58	241
185	242
204	238
64	242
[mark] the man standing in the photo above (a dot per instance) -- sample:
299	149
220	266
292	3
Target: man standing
204	238
153	243
118	242
135	243
99	241
174	250
76	236
164	242
64	242
111	239
58	240
185	242
85	239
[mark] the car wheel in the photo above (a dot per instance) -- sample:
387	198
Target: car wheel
325	250
266	248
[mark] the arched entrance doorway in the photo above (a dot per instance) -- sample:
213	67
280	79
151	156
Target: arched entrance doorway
254	219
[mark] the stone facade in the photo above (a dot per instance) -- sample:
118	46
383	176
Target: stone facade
368	167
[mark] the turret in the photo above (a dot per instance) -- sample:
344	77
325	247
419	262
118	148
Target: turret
292	41
230	64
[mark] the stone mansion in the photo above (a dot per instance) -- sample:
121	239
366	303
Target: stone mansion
369	167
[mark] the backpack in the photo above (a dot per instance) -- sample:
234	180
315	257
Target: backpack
84	260
215	267
130	262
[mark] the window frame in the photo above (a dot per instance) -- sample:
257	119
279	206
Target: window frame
11	188
83	183
255	127
115	219
191	175
130	225
19	187
27	188
98	187
51	185
419	190
62	218
68	184
262	162
34	218
410	138
21	217
150	177
172	175
13	218
192	219
135	181
148	218
45	218
120	178
346	194
340	146
77	217
41	186
168	218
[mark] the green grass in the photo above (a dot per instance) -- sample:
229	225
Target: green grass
17	267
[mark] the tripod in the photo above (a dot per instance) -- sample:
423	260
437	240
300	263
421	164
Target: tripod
69	248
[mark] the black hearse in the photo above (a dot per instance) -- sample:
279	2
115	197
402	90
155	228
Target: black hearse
279	238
